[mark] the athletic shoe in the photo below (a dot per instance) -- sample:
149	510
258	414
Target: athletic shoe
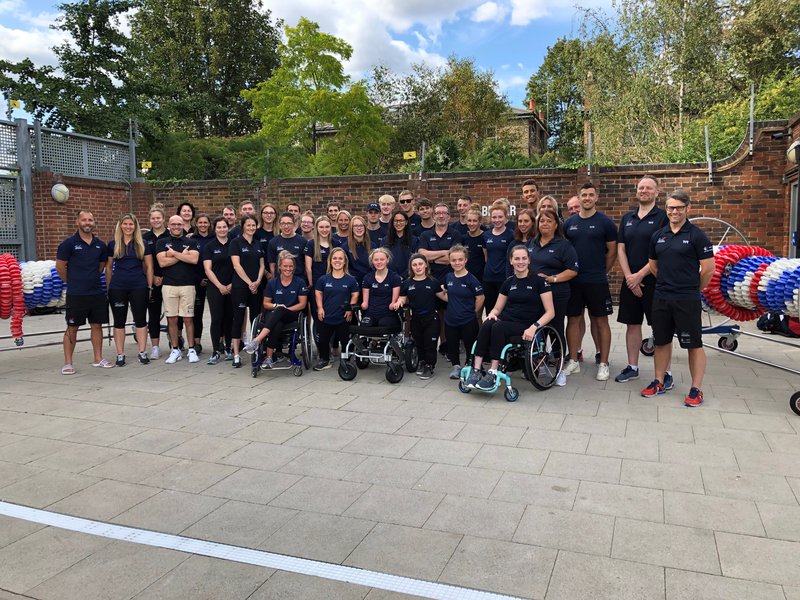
694	398
628	374
251	346
427	373
278	359
580	355
237	361
322	365
656	388
572	367
143	358
602	372
213	359
228	354
561	379
420	368
192	355
669	383
198	347
120	360
174	356
455	372
267	364
597	358
487	382
155	353
474	377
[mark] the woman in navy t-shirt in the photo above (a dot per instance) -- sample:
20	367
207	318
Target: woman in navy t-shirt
129	277
247	257
316	255
525	304
358	247
400	243
336	292
204	234
380	292
475	243
219	272
464	305
498	240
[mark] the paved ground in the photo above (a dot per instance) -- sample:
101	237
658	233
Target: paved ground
587	491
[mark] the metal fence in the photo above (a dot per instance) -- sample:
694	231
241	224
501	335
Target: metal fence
10	241
80	155
8	145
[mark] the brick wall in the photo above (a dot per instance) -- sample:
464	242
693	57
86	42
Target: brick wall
747	191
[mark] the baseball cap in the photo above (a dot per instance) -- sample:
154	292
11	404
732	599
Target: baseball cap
373	206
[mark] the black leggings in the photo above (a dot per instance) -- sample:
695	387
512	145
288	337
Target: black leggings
466	334
491	290
199	310
221	309
425	331
275	321
242	299
560	305
119	301
328	333
154	313
494	335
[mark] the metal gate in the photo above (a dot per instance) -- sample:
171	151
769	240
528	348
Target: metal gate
10	199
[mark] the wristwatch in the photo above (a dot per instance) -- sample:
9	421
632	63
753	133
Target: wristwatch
555	278
537	325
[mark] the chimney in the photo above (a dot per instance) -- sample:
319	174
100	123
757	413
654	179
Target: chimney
531	104
541	116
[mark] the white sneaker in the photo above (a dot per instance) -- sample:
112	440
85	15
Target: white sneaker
192	356
561	379
174	356
572	366
155	353
602	372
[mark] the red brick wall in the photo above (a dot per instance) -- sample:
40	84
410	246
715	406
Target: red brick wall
747	191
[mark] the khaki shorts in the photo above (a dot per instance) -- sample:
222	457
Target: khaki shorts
178	300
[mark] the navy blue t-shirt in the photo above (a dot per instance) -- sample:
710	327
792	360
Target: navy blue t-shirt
181	273
288	295
476	261
401	255
461	295
414	221
83	264
339	240
150	239
318	267
636	234
128	271
421	294
432	241
523	301
679	255
220	257
497	254
250	257
380	293
420	230
553	258
295	245
376	236
263	236
589	237
358	262
464	230
336	295
201	244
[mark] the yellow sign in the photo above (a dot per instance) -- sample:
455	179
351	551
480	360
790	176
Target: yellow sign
409	155
14	104
146	164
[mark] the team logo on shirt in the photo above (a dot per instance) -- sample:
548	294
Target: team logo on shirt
685	241
661	240
78	247
573	228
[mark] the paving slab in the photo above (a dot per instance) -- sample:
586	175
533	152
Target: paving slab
394	505
759	559
284	585
686	585
321	495
714	513
477	517
389	471
586	576
566	530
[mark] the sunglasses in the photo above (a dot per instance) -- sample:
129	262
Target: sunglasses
406	201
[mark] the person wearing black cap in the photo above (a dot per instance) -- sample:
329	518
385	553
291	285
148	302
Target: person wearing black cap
375	228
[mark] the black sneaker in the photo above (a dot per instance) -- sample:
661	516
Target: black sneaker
237	362
628	374
143	358
120	360
427	372
322	365
198	347
420	368
597	358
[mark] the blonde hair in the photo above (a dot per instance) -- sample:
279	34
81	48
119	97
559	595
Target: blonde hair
120	249
284	255
386	252
542	201
317	251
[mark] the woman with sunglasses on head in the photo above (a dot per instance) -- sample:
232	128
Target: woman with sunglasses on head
219	272
400	243
248	272
335	294
129	277
498	239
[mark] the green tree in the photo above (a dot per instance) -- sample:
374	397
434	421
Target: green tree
199	55
310	90
91	90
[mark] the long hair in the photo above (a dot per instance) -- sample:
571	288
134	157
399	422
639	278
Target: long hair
261	218
346	261
120	249
351	239
532	233
317	251
550	213
391	236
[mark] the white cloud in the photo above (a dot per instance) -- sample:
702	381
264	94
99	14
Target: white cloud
36	44
489	11
525	11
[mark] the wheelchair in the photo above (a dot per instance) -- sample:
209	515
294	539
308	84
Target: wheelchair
389	346
541	361
295	341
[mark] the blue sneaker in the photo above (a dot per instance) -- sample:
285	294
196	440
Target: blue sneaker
669	383
487	382
474	377
628	374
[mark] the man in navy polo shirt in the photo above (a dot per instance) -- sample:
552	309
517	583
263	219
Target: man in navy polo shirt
594	236
375	229
636	291
435	244
408	206
682	259
79	260
290	241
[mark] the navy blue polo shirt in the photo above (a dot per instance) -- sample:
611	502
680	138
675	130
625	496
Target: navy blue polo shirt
380	292
433	241
464	230
180	273
476	261
150	239
220	257
461	295
414	221
497	246
234	232
250	256
589	237
679	255
553	258
201	244
376	236
318	267
263	236
523	298
288	295
128	271
83	264
420	230
636	234
294	245
336	295
421	294
338	240
358	261
401	254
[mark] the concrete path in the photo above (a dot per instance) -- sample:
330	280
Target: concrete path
587	491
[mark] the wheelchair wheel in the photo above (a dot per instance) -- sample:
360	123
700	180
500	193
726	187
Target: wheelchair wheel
394	372
728	343
462	387
307	342
648	347
511	394
794	403
297	371
544	358
347	370
411	355
254	371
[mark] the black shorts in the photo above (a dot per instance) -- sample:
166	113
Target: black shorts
79	309
681	317
594	296
632	309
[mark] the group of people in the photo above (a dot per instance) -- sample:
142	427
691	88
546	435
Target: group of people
467	283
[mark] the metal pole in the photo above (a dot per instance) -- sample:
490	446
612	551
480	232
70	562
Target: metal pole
27	231
589	154
422	161
708	157
752	111
132	149
37	141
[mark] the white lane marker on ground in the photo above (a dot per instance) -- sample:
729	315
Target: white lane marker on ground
303	566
